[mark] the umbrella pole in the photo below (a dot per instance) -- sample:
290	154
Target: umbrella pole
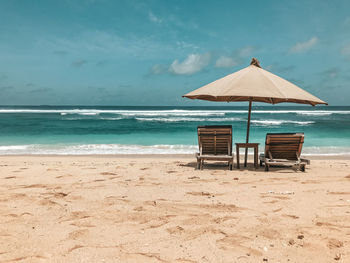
247	139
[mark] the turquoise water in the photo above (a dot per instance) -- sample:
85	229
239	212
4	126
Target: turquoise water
119	130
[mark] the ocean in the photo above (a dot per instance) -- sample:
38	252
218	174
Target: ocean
81	130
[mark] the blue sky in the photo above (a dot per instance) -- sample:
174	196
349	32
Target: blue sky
92	52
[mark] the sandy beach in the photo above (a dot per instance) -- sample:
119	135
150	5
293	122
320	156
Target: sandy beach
160	209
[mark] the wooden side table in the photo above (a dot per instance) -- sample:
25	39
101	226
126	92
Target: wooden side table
248	145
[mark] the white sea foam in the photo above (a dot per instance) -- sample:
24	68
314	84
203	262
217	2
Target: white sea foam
315	113
88	149
103	149
80	113
279	122
111	118
88	113
13	148
179	119
173	112
326	150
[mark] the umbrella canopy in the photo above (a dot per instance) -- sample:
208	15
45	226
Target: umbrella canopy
253	84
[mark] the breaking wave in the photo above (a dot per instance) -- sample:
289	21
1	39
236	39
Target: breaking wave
110	149
91	149
173	112
179	119
279	122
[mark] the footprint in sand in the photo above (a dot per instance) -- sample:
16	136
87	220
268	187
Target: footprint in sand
74	248
175	230
78	233
159	223
35	186
60	195
20	215
48	202
66	175
269	233
199	193
18	196
99	180
28	257
139	208
10	177
185	260
77	215
338	193
12	215
270	202
114	177
291	216
334	243
277	210
108	173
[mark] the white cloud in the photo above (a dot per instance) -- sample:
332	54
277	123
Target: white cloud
183	45
225	62
107	43
331	73
154	18
246	51
304	46
236	57
192	64
157	69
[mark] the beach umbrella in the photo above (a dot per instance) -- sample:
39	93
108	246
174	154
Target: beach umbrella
253	84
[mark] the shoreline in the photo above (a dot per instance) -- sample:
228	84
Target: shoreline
161	156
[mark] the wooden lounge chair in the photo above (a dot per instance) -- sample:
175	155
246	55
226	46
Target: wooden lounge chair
215	144
283	149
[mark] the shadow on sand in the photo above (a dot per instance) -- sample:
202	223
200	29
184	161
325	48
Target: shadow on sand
250	167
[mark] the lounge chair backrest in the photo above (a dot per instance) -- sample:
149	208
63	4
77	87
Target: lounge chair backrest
215	140
284	145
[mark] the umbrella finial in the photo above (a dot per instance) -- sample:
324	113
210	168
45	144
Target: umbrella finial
255	62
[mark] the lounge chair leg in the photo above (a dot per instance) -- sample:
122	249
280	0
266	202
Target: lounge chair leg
266	168
302	168
202	163
261	163
198	164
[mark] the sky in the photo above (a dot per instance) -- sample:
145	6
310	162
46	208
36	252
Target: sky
120	53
